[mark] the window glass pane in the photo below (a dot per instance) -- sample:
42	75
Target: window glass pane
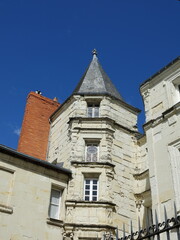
88	157
96	112
92	153
93	110
94	157
92	149
55	196
94	181
91	190
90	111
54	211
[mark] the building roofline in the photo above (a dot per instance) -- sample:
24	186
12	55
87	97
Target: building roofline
54	113
33	160
160	71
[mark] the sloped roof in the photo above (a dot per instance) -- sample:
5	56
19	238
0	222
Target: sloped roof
96	82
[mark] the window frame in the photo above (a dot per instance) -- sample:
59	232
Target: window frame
58	205
174	156
94	106
176	91
91	184
86	148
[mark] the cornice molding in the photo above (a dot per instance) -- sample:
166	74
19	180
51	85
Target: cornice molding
82	203
100	119
163	117
92	164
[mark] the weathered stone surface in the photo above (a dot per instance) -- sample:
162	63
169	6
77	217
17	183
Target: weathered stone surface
24	200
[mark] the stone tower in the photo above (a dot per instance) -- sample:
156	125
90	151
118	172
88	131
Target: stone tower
93	133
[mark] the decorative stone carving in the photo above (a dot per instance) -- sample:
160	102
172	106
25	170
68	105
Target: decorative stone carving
109	215
108	236
68	235
139	203
69	214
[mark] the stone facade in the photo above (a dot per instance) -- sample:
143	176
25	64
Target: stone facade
25	188
119	176
114	131
161	97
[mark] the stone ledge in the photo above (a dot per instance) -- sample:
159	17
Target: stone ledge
55	222
141	175
95	164
92	119
163	117
6	209
101	119
142	195
89	226
82	203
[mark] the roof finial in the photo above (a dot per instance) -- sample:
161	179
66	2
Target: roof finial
94	52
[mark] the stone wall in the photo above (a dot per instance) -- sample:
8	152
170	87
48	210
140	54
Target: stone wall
25	197
161	96
161	92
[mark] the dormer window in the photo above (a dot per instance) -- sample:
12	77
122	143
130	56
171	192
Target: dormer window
92	110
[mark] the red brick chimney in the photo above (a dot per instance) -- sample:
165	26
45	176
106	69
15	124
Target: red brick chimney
33	139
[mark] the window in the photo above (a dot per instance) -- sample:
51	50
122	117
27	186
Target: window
91	189
54	208
93	110
174	152
176	91
6	182
92	152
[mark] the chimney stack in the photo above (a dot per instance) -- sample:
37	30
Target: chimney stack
33	139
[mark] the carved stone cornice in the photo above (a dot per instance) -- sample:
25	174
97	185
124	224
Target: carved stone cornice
164	116
141	175
55	222
88	226
82	203
143	195
107	120
92	164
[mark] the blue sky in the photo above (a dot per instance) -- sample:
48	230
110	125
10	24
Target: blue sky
46	45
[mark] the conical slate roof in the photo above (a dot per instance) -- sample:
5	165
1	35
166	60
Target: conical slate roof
96	82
